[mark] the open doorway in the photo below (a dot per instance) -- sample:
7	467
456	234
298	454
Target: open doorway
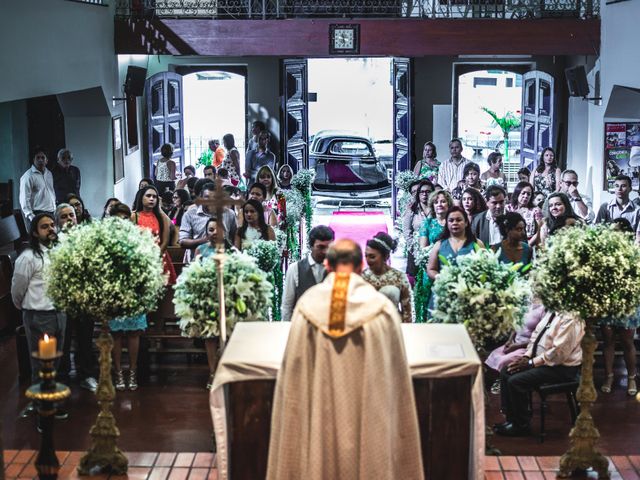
482	95
351	128
214	105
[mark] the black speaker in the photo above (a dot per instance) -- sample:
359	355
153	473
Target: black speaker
577	81
134	83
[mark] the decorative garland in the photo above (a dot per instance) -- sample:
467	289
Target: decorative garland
403	184
295	207
267	255
422	289
302	182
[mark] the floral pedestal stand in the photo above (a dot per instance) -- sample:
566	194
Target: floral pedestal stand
104	455
584	434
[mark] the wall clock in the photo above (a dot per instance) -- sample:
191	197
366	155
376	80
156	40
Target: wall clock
344	39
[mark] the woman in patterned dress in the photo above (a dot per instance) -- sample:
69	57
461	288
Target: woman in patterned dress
231	160
522	203
429	167
387	280
546	177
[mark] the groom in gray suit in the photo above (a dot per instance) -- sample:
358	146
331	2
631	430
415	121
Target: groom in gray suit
483	225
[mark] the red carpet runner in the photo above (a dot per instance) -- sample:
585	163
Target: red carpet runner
358	226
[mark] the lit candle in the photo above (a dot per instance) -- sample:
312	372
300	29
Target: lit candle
47	347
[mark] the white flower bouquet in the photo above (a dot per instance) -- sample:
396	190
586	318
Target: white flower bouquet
247	295
591	272
303	179
487	296
404	180
106	269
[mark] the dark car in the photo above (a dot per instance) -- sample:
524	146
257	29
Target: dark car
346	166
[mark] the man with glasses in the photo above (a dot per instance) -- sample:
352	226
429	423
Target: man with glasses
581	203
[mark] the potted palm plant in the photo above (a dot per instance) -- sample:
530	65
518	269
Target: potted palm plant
507	124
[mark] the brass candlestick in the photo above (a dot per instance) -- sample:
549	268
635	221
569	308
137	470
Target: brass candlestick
104	455
584	435
46	394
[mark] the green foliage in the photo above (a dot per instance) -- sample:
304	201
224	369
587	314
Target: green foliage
507	123
267	255
247	294
487	296
105	269
591	272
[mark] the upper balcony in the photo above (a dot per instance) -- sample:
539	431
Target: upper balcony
406	28
354	9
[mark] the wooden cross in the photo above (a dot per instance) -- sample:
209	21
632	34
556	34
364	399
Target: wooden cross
216	206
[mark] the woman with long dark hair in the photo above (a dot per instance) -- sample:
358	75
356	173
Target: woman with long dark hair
557	213
472	202
413	219
253	225
82	214
514	247
456	240
180	197
148	215
107	206
546	177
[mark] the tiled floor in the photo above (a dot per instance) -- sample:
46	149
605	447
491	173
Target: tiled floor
19	464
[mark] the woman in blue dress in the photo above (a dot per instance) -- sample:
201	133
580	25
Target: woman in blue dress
514	248
456	240
440	201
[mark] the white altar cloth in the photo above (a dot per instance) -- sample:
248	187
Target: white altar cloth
255	352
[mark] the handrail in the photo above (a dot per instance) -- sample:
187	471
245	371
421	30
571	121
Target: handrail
280	9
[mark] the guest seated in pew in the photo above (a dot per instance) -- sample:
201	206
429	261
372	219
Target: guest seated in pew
553	355
82	214
209	249
107	206
65	216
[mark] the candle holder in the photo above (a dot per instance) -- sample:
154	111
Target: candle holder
46	395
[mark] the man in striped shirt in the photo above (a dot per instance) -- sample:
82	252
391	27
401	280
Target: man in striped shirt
451	170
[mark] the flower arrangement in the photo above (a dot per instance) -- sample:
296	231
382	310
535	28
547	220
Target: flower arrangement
267	256
105	269
302	182
247	295
590	272
405	179
490	298
421	291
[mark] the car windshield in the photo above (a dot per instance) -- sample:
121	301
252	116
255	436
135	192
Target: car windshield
350	147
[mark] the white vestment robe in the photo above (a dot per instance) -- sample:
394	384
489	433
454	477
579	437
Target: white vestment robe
344	407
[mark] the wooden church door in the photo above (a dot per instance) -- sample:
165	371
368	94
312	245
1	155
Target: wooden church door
163	93
537	116
403	131
295	118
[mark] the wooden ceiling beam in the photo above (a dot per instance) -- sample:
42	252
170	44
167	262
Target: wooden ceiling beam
379	37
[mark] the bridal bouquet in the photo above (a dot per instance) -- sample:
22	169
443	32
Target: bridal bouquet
246	288
488	297
105	269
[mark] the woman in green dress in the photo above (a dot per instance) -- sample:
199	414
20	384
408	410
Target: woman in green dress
440	202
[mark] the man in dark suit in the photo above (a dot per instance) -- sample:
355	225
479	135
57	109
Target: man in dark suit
483	225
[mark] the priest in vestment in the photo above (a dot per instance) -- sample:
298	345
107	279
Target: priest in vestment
344	406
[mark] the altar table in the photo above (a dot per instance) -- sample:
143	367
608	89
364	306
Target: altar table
447	378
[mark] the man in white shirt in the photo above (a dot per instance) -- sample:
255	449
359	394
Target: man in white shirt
452	170
37	194
621	206
28	288
307	272
553	355
581	204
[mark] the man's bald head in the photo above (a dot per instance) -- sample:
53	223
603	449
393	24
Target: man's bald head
344	255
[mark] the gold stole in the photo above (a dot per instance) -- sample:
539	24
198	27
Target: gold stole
338	310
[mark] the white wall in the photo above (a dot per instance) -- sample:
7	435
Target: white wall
618	65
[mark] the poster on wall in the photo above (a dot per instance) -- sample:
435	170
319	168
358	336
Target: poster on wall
118	149
621	153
